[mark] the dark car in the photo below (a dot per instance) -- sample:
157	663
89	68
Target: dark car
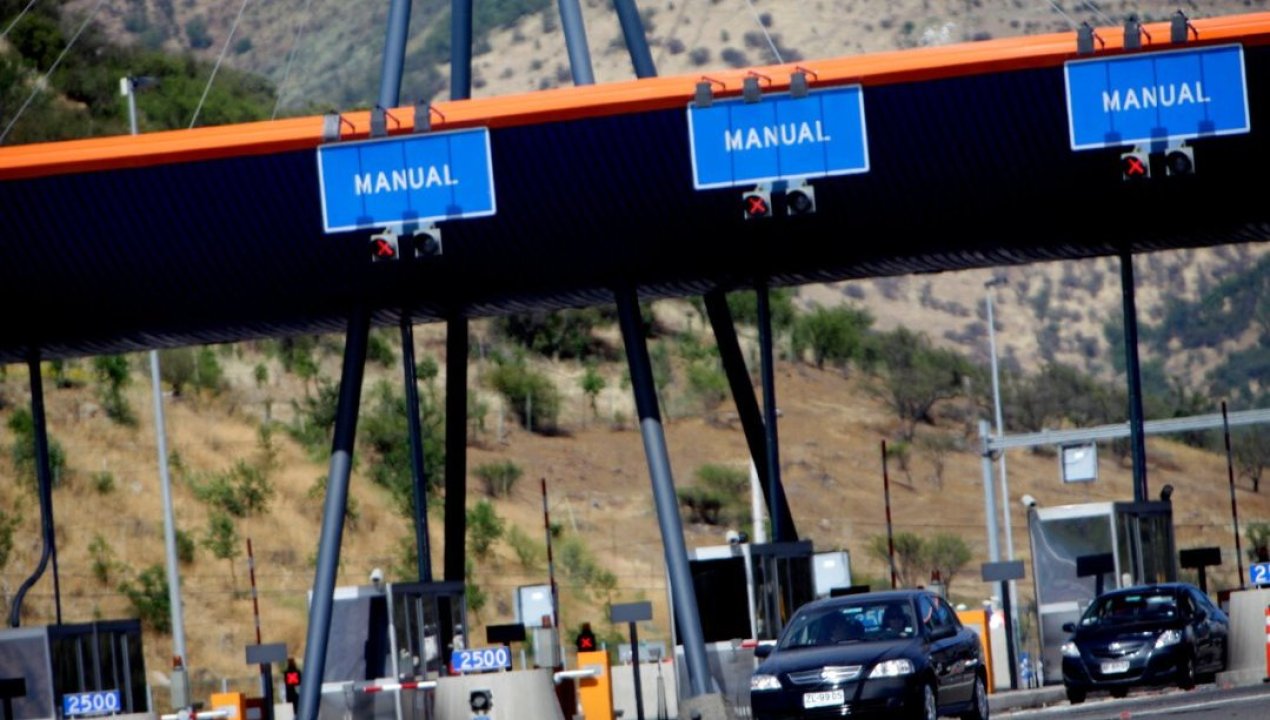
897	654
1150	635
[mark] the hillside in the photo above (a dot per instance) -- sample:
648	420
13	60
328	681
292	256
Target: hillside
830	428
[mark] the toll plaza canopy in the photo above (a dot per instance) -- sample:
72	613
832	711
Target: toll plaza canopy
990	153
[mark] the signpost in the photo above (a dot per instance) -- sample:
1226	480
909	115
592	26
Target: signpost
481	659
780	137
1004	572
632	613
1259	574
96	702
406	179
1156	97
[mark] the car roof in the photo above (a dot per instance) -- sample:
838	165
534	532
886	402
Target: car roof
880	595
1153	587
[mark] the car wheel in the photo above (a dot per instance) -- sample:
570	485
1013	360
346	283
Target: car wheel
978	702
1075	696
1186	673
929	709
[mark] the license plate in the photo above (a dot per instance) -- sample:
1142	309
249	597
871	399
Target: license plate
1110	668
823	699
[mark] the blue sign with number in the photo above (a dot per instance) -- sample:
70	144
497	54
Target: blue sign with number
1157	97
780	137
481	659
406	180
1259	573
98	702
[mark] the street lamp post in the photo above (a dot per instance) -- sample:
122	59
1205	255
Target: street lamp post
1000	427
128	87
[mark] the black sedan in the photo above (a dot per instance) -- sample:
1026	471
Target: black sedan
897	654
1149	635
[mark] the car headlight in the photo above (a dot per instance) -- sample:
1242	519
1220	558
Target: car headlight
891	668
1070	650
1167	638
764	682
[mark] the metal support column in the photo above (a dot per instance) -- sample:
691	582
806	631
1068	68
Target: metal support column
333	512
746	405
460	49
681	589
780	533
394	53
415	431
989	495
636	43
575	42
44	477
455	448
1137	437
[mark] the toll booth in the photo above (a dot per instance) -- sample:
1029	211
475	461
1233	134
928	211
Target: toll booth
383	638
747	590
1125	543
76	670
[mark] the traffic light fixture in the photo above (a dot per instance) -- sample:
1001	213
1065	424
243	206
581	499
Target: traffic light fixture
756	203
1135	165
1179	161
800	199
384	246
426	241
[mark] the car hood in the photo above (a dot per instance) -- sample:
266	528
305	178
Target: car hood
866	654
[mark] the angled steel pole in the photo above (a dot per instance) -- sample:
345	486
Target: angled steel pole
455	448
333	512
746	405
682	594
1137	437
780	533
394	53
44	477
460	49
636	43
415	430
575	42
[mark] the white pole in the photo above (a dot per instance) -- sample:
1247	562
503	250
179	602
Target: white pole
756	506
1005	485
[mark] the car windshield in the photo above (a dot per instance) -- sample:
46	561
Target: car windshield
850	623
1145	606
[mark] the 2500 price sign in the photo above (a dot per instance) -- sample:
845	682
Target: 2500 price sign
99	702
481	659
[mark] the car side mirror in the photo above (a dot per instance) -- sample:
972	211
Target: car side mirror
1069	627
942	632
1201	614
762	650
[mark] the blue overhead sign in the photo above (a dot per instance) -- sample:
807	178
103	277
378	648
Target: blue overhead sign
780	137
1157	97
406	179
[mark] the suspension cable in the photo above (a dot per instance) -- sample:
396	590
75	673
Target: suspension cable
219	60
44	80
16	19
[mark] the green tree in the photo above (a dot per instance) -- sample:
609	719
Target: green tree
498	477
103	557
185	547
22	425
916	375
484	528
528	551
149	598
909	551
1251	448
719	495
838	335
592	384
113	375
530	395
385	434
946	554
9	520
1258	535
177	367
221	538
557	334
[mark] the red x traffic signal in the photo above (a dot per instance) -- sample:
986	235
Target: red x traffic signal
1135	166
756	204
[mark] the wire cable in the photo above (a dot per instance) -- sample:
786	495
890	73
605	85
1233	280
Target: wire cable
1064	14
762	27
300	27
16	19
44	80
233	28
1089	4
